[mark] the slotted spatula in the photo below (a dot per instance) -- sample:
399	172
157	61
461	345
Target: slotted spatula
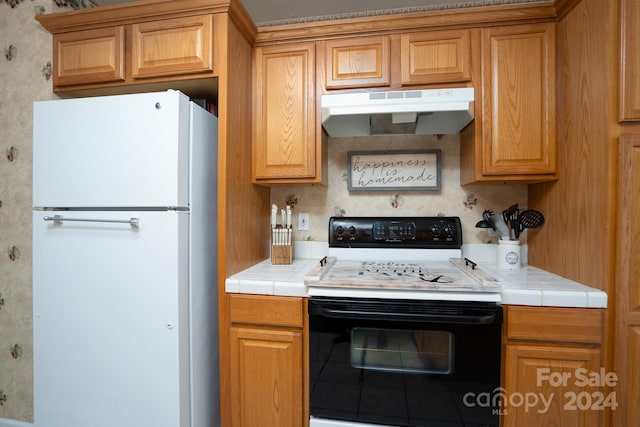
529	218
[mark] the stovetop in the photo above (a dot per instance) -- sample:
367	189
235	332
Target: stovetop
399	257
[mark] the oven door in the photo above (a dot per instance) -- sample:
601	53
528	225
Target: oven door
404	362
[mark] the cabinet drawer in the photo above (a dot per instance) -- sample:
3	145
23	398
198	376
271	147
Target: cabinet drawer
436	57
172	46
554	324
90	56
267	310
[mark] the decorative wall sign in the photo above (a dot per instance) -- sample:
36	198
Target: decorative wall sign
393	170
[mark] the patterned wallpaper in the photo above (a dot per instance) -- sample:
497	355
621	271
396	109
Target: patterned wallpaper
25	72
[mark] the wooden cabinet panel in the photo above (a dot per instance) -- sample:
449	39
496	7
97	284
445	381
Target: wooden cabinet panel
627	297
267	361
630	61
518	73
549	353
284	139
273	310
513	137
357	62
172	46
565	325
436	57
266	378
523	376
89	56
142	48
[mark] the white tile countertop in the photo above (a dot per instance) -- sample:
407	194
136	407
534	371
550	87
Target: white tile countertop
525	286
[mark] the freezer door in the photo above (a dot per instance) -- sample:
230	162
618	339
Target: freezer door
122	151
110	307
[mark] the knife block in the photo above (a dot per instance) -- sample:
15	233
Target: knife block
281	246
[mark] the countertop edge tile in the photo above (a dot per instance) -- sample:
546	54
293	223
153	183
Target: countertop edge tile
290	289
598	299
521	297
256	287
564	298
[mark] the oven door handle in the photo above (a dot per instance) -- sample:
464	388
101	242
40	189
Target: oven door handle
476	319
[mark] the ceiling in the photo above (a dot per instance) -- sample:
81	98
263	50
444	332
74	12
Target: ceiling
279	12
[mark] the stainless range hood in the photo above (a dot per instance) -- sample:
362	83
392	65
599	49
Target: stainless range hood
414	112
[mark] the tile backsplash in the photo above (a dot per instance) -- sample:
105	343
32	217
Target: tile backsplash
468	202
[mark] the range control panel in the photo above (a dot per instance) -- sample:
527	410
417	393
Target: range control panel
397	232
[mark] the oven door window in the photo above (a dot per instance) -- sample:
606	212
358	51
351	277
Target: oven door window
402	351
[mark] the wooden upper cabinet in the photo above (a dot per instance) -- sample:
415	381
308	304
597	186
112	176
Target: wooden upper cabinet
436	57
424	58
284	134
172	46
519	99
152	45
630	61
357	62
89	56
514	134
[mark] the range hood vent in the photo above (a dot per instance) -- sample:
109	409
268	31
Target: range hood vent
407	112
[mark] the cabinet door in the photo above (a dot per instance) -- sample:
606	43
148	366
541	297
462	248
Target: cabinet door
630	61
518	98
172	46
538	371
284	138
357	62
436	57
266	378
90	56
627	296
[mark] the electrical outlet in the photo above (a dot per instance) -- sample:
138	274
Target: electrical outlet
303	221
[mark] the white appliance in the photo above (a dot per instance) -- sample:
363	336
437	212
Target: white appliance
401	327
419	112
125	262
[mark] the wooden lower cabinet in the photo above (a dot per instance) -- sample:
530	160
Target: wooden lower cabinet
267	361
542	388
552	373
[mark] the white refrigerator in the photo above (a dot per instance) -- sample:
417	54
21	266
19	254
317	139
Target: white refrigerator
125	262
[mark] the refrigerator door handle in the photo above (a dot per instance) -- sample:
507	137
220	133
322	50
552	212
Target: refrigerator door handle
59	219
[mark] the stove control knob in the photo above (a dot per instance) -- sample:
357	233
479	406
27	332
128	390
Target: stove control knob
352	230
435	230
339	230
450	232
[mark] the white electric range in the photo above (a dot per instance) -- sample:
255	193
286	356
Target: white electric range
399	258
402	330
